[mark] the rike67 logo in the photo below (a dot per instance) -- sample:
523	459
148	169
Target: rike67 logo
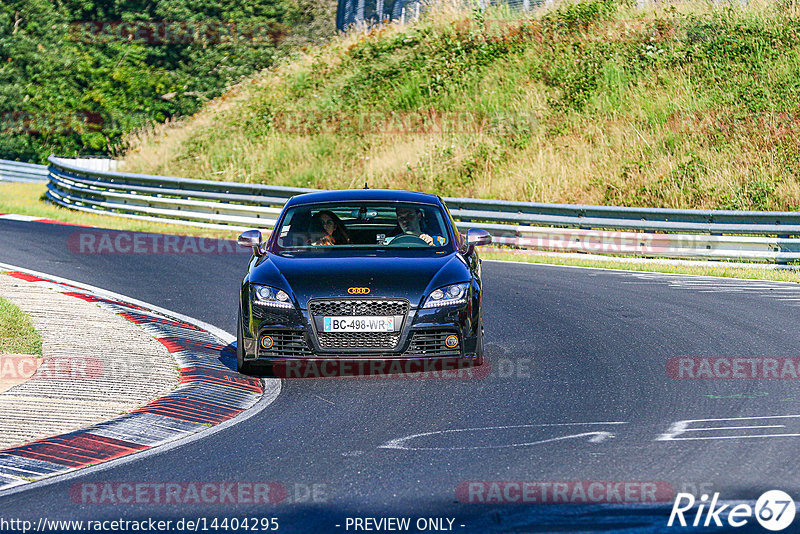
774	510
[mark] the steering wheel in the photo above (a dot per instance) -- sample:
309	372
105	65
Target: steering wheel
406	239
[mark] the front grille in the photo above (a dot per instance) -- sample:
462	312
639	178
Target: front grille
356	307
431	343
358	340
321	308
286	344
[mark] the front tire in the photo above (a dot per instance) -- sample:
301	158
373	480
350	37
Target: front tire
241	365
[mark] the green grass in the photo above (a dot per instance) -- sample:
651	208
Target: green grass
680	105
17	335
700	269
26	199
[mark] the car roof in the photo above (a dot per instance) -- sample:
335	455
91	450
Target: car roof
345	195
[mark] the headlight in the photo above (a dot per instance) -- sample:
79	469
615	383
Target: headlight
447	296
271	296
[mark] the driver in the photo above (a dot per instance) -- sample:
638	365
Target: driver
410	222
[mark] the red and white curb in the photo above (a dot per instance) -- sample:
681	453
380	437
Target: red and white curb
210	392
32	218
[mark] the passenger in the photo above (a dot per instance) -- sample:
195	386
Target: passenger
330	229
409	221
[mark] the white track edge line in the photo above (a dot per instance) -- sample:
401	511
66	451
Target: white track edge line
657	273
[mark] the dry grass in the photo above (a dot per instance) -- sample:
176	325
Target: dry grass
657	138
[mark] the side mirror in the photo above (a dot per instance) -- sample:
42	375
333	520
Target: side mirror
477	237
252	239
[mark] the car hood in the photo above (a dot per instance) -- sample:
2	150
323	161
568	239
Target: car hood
319	277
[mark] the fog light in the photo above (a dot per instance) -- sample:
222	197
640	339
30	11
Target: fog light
451	342
266	342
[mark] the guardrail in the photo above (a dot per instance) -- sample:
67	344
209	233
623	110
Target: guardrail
651	232
15	171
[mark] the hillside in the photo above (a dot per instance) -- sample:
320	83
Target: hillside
593	102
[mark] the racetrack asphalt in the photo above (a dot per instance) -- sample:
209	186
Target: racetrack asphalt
578	391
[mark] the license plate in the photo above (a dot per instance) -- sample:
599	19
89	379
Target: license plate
359	324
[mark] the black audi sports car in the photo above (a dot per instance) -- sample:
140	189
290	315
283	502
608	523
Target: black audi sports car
362	274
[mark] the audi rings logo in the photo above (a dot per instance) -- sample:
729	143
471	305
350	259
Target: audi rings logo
358	290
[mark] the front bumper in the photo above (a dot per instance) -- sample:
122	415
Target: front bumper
294	338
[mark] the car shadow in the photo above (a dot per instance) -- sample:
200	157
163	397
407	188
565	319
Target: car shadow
227	356
370	369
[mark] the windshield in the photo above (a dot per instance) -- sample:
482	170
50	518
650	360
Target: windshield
367	225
